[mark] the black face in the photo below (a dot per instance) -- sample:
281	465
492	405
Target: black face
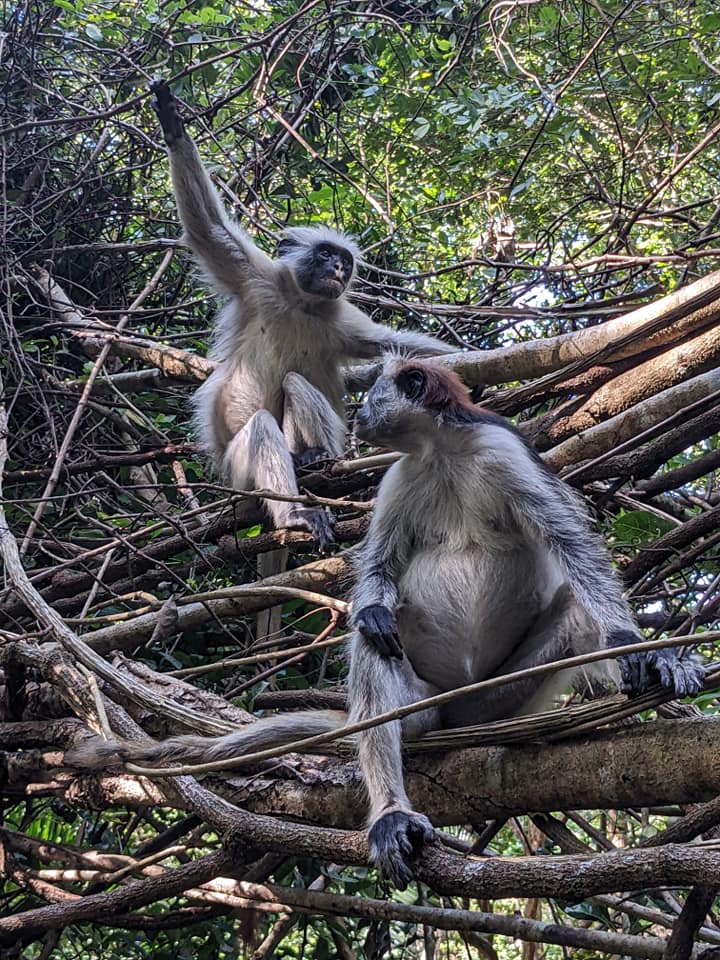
325	270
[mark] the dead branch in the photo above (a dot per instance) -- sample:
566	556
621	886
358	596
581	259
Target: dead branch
639	383
636	421
136	894
315	576
690	308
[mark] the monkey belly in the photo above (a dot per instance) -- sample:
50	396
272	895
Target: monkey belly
462	613
261	388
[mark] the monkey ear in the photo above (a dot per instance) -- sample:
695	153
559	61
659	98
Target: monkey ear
285	246
412	383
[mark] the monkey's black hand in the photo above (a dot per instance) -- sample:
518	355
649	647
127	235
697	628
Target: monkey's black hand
634	667
166	107
685	676
635	673
377	624
394	838
640	670
317	521
310	456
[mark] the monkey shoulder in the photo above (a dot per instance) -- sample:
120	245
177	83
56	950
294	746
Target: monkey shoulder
267	296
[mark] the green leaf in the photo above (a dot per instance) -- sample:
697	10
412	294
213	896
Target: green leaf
639	527
251	531
93	32
549	17
710	24
586	911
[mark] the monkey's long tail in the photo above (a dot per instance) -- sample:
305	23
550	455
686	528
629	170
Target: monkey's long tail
95	753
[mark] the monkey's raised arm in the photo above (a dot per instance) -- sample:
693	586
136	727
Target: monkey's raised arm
364	339
223	248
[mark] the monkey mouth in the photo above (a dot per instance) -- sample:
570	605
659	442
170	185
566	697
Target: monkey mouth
332	287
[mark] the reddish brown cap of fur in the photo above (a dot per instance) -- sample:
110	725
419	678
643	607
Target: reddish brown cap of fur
443	389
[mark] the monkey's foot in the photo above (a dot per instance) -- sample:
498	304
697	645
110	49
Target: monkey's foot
315	520
310	456
640	670
167	111
394	838
377	624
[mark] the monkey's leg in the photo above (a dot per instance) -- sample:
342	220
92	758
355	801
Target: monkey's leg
258	456
376	685
563	629
312	428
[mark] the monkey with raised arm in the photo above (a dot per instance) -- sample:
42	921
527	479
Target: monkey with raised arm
479	562
275	399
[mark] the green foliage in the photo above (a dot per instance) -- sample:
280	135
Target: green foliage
638	527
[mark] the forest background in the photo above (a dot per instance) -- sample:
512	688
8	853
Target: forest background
536	183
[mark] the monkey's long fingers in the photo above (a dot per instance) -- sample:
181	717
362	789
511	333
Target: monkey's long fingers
664	666
311	456
684	676
635	674
317	521
325	534
166	107
377	624
389	646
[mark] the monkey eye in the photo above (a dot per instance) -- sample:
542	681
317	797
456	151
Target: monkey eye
285	245
412	383
324	253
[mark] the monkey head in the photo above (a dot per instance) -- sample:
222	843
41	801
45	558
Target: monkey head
322	260
409	402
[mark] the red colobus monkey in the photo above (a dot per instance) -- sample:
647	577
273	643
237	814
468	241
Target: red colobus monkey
479	562
276	395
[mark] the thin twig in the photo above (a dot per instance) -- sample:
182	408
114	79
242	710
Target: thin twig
53	292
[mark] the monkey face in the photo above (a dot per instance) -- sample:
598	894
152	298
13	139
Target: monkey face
321	260
408	404
325	270
393	414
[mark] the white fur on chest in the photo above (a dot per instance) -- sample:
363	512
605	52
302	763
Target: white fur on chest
448	501
472	576
280	338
